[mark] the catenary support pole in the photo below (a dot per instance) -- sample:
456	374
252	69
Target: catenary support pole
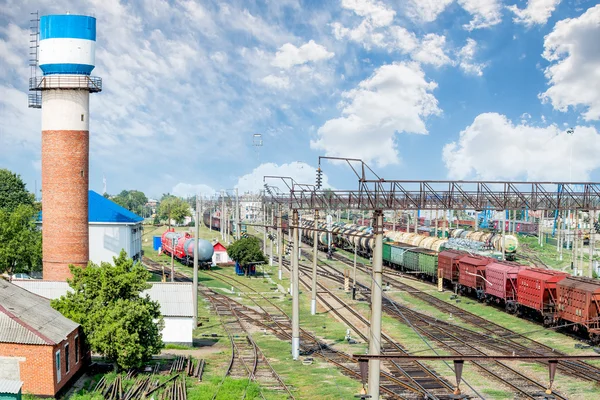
504	235
195	279
271	241
279	239
592	242
238	226
313	299
376	302
295	290
354	275
264	219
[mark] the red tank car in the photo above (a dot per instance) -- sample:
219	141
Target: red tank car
579	303
501	284
448	264
471	274
169	241
537	292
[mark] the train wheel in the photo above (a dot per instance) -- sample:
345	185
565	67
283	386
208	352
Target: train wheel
595	338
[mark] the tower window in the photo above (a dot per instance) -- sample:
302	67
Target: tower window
81	117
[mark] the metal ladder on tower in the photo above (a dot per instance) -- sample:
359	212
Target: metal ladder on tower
34	98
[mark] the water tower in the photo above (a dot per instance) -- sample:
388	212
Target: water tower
67	45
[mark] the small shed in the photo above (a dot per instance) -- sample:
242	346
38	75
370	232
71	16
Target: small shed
10	390
220	255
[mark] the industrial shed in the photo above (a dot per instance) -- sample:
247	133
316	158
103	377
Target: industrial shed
111	229
176	306
175	300
38	345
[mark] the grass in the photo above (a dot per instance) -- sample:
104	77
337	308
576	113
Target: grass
550	256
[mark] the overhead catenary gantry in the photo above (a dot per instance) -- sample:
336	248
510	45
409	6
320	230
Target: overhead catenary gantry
376	194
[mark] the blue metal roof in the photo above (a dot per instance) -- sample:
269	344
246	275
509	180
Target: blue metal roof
102	209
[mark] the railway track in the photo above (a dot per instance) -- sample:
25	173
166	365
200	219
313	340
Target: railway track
247	360
280	324
418	376
458	341
518	342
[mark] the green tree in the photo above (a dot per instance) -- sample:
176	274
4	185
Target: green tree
246	250
118	322
133	200
13	192
174	208
20	240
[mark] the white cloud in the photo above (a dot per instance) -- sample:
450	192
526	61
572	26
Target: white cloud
431	50
289	55
465	58
426	10
492	147
536	12
485	13
376	12
301	172
188	189
276	82
572	49
395	99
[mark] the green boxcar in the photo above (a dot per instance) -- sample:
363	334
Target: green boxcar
397	253
387	252
411	259
428	262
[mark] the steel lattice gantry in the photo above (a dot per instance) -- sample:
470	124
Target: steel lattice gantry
447	195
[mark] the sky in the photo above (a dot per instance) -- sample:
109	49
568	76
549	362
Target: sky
417	89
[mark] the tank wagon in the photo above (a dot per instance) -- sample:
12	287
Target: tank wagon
181	246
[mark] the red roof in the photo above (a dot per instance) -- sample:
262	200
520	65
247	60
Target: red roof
219	247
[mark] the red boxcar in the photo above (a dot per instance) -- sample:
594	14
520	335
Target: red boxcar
471	271
501	283
448	264
579	303
537	291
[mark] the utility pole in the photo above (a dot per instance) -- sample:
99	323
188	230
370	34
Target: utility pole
313	301
264	219
295	291
354	275
238	231
376	303
592	242
196	250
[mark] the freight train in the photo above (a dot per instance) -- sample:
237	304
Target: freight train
554	297
181	246
214	221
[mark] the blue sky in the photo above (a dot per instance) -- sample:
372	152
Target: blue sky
435	89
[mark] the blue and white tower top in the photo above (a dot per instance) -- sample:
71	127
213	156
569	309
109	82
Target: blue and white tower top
67	44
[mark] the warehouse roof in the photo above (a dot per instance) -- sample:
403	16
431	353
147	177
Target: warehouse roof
175	299
9	386
102	209
105	210
27	318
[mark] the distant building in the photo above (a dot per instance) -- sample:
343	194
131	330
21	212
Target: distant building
220	255
38	345
111	228
175	300
250	207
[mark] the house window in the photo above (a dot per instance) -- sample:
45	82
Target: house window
217	257
67	358
76	349
57	364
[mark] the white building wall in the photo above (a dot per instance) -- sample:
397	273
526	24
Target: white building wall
220	257
107	240
178	330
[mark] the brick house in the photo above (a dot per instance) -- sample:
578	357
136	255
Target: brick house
38	345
